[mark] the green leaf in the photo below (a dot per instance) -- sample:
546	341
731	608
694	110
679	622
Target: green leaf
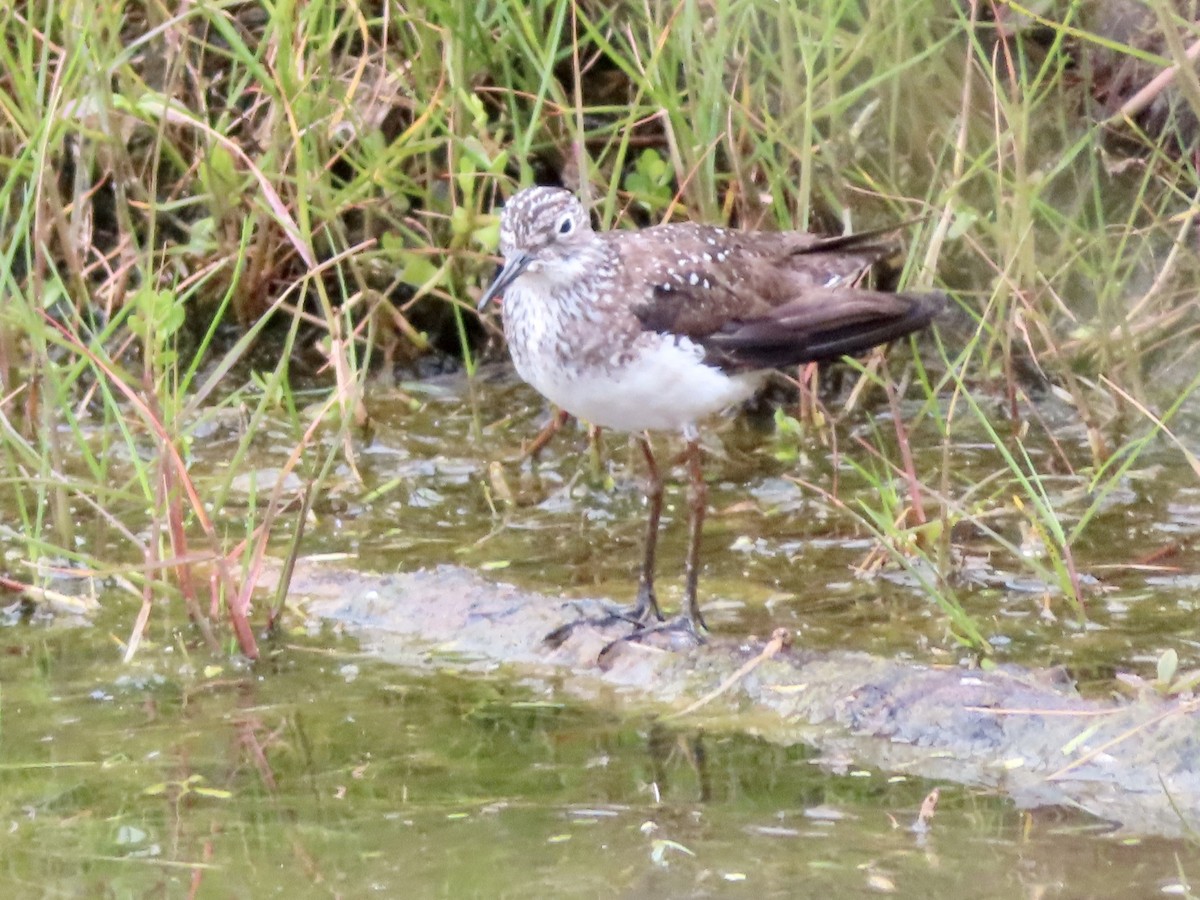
462	221
488	236
1168	665
787	426
650	180
418	269
215	793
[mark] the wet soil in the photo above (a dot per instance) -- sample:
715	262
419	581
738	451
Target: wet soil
1132	763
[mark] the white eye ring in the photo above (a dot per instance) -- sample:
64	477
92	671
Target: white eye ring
567	225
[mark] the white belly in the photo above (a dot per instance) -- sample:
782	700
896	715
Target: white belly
665	386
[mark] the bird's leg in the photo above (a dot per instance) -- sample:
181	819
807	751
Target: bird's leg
645	609
647	603
690	622
543	437
697	503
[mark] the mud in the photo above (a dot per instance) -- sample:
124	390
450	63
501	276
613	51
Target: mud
1135	764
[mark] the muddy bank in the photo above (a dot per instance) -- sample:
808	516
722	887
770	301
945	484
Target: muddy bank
1028	734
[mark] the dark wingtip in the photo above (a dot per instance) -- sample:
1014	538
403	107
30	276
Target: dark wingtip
926	307
770	343
850	341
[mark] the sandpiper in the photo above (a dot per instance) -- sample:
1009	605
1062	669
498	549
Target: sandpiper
654	330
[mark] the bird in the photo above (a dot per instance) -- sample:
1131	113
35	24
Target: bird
657	329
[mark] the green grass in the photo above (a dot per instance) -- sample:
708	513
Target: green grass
321	177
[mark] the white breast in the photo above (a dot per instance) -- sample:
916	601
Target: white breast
659	384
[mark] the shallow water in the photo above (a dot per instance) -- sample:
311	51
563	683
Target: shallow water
779	553
320	771
323	773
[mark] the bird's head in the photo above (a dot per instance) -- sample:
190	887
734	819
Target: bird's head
545	233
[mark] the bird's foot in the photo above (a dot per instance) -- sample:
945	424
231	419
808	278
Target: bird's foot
682	626
638	616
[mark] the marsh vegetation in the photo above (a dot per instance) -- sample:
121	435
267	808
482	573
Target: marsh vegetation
239	249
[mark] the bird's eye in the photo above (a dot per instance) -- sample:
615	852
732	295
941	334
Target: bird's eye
566	225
